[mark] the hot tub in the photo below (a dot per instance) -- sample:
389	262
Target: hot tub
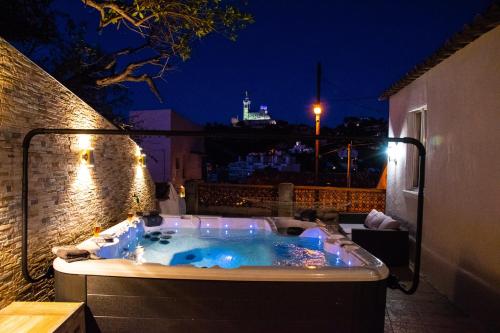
218	274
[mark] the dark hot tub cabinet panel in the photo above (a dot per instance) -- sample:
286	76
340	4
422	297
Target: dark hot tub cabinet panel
130	304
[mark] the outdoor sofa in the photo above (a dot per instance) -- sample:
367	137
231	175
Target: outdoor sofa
389	245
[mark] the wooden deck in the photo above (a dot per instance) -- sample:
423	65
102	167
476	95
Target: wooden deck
41	317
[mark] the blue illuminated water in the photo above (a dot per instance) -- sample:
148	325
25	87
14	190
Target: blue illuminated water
234	248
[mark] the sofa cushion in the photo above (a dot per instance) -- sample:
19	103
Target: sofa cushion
370	216
389	223
374	219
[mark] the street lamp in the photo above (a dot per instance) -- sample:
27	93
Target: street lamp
317	112
317	109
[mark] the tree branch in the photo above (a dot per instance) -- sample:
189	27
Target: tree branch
168	27
101	7
128	75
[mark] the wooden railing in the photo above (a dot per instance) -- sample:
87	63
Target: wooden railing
265	199
341	198
236	195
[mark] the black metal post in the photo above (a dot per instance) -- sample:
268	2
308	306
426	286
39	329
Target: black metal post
318	83
317	123
420	216
236	135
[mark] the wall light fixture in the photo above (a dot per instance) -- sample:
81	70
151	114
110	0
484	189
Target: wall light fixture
86	150
142	160
394	152
87	157
140	157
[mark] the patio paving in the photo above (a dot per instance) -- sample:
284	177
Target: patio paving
426	311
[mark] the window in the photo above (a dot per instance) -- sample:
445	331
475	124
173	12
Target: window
416	129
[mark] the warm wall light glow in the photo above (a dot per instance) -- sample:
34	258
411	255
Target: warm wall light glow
83	178
139	174
83	181
138	151
394	152
84	142
317	109
436	140
182	192
139	188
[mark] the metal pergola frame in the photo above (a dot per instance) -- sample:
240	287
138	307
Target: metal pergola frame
393	282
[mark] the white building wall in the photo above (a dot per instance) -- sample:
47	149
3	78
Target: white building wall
158	149
461	238
170	159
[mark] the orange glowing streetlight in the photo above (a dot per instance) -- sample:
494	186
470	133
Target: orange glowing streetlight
317	112
317	109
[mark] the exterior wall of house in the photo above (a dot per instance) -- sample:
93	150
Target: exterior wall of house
67	199
186	150
170	159
461	235
158	149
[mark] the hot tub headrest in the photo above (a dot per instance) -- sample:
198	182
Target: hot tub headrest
294	231
153	219
153	213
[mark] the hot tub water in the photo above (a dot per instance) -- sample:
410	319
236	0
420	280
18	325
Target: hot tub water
232	248
227	243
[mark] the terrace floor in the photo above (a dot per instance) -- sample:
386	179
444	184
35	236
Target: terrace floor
426	311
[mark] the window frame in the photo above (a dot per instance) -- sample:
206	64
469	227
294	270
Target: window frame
419	133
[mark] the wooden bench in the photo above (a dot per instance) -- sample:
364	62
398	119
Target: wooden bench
42	317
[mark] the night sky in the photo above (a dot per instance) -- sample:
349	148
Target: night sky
364	46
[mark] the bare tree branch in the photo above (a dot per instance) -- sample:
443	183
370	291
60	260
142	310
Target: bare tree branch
128	75
169	27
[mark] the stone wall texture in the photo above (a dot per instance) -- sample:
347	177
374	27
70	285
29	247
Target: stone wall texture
66	197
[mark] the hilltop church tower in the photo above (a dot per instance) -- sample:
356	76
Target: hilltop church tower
246	106
260	118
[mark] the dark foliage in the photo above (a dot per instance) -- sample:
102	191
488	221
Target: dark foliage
28	23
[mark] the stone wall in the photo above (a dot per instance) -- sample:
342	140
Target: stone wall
66	197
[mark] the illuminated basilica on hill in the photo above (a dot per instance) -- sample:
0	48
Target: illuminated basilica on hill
260	118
